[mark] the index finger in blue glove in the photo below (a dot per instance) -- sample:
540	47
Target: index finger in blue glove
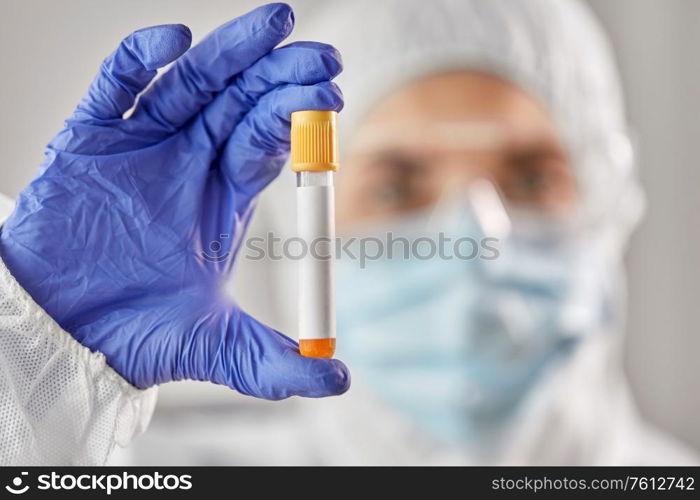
256	151
130	68
302	63
207	68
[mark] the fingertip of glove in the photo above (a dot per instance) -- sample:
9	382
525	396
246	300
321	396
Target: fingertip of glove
184	32
333	62
338	378
328	54
281	17
330	97
160	45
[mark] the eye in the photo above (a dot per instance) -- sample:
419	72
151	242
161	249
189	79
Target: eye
391	193
536	177
531	181
398	180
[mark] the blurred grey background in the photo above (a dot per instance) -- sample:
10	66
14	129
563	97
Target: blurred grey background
49	52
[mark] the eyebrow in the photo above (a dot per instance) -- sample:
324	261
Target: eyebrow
481	134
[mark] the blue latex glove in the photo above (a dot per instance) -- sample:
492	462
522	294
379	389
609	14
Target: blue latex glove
110	237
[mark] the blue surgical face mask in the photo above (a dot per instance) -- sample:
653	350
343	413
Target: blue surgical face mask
455	345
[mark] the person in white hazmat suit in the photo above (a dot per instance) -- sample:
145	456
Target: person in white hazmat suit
498	124
515	360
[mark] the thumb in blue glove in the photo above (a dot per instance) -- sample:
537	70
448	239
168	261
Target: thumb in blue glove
110	238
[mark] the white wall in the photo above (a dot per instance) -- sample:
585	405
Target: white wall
50	50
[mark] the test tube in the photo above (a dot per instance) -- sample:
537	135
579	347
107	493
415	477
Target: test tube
314	155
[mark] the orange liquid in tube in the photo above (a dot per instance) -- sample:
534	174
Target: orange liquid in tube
317	348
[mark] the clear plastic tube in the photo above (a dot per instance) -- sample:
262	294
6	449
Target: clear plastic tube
314	155
311	179
316	227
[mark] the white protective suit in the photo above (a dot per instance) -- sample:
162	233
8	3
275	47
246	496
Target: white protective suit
63	404
60	403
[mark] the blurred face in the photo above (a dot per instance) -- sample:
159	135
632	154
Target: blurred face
456	343
433	137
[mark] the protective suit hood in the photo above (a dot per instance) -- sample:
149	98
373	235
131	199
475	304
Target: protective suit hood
555	51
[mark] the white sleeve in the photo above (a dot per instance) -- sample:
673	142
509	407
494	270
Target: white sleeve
60	403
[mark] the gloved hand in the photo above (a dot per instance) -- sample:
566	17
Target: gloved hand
114	236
